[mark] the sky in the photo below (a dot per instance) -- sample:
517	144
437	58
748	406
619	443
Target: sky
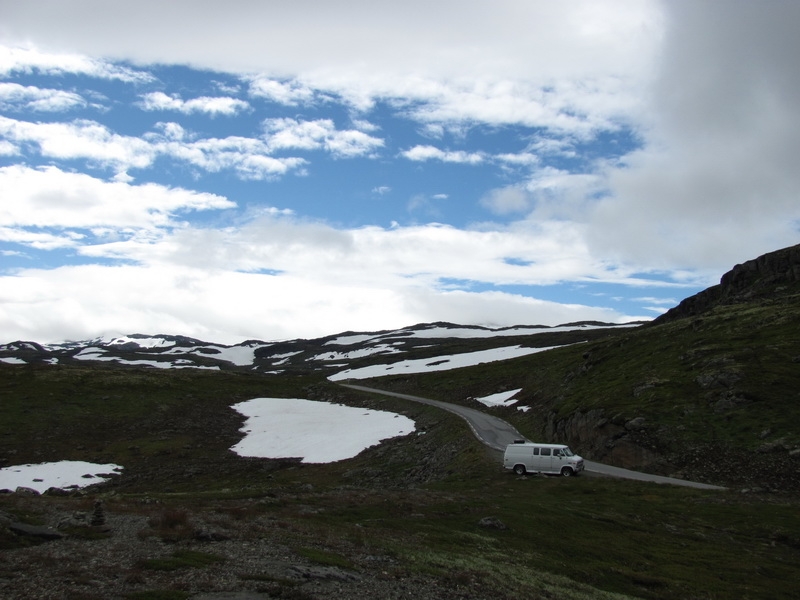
281	170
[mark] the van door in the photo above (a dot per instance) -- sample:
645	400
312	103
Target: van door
545	459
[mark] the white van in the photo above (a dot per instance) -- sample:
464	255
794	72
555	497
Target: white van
551	459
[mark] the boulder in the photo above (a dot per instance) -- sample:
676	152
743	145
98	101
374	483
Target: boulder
44	533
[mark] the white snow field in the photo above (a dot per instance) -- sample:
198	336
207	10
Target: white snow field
438	363
63	474
500	399
316	432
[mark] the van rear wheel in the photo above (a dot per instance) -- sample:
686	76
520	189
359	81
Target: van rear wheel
566	472
519	469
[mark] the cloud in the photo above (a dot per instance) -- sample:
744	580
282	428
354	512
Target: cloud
716	179
204	104
511	199
319	134
83	139
289	93
15	97
50	197
568	66
422	153
28	59
80	139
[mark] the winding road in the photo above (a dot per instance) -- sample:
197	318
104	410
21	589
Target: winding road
497	434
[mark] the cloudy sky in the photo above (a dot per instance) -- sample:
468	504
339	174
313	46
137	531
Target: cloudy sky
299	168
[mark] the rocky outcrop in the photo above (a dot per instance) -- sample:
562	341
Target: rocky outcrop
760	277
617	441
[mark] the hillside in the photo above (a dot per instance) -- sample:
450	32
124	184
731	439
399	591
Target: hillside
708	392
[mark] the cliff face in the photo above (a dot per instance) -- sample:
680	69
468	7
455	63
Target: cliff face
761	277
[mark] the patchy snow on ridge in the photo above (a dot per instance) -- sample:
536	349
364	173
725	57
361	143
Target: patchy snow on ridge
63	474
241	356
317	432
437	363
145	342
13	360
360	353
100	355
499	399
462	332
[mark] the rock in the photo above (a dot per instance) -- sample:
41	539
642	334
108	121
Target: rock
76	519
44	533
636	424
761	277
208	535
492	523
26	491
303	572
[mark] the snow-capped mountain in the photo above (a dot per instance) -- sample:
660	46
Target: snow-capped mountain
344	355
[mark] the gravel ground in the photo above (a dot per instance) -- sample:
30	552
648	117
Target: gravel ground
256	557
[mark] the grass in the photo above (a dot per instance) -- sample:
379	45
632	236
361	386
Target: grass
181	559
325	558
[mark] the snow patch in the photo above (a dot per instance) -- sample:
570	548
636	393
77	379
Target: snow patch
499	399
316	432
63	474
441	363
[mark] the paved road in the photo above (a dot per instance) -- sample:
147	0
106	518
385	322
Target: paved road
497	434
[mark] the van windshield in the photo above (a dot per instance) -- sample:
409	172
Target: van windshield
566	452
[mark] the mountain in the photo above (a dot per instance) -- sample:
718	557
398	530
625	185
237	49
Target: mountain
331	354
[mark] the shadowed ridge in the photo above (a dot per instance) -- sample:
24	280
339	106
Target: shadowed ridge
767	277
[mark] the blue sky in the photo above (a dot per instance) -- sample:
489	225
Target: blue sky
296	169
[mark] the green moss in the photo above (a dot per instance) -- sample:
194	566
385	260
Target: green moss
181	559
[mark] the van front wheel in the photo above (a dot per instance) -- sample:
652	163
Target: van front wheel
566	472
519	469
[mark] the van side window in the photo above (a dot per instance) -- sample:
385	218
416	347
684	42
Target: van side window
558	453
545	451
536	451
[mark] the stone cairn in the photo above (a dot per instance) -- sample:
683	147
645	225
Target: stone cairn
98	515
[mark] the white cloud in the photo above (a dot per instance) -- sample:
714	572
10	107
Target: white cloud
18	97
319	134
80	139
511	199
422	153
576	65
38	240
290	93
49	197
8	149
204	104
28	59
80	302
90	140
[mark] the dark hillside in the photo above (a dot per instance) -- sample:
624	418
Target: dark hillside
710	391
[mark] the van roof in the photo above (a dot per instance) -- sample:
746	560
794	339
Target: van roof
540	445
